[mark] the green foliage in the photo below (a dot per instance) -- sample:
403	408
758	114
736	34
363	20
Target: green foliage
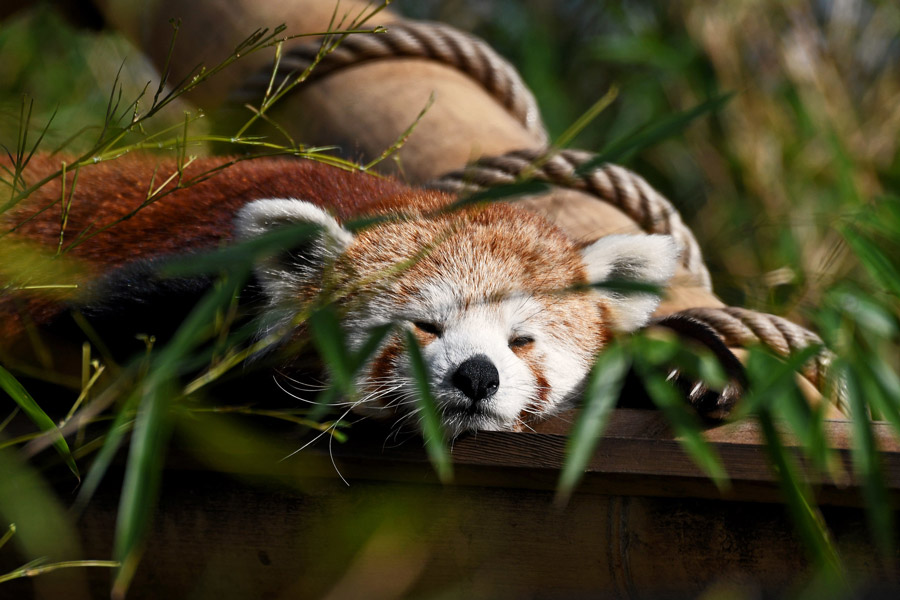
37	415
600	396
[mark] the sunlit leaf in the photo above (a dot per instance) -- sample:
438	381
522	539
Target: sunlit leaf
684	422
37	415
600	396
653	133
143	473
500	192
432	430
879	267
806	517
866	460
328	337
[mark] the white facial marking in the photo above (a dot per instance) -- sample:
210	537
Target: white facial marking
535	341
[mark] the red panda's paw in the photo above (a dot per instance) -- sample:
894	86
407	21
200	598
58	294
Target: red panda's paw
709	402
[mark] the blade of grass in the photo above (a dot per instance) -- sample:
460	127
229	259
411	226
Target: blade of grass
245	253
653	133
354	362
37	415
585	119
768	375
773	387
806	517
8	535
882	270
685	423
600	396
115	434
152	427
500	192
328	337
32	570
866	459
143	473
888	401
432	431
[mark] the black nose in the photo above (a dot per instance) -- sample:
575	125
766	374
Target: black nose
477	378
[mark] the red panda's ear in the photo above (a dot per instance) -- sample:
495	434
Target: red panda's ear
630	258
281	275
262	216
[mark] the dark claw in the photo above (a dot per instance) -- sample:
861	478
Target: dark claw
709	403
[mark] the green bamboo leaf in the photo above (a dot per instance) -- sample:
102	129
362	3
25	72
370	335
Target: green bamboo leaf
887	401
806	423
42	525
172	359
600	397
352	361
866	459
879	267
37	415
328	338
772	386
584	120
628	286
684	422
500	192
432	430
114	436
199	324
654	133
143	473
243	254
769	376
806	517
691	358
866	312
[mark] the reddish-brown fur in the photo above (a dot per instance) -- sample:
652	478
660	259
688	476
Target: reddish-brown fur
197	217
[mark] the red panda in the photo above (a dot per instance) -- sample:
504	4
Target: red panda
495	295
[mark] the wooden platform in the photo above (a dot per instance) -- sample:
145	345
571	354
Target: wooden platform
645	523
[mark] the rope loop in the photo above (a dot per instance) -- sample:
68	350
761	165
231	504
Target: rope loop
411	39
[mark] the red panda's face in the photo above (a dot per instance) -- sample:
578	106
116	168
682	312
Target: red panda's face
496	299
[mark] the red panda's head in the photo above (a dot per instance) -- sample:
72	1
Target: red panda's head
495	296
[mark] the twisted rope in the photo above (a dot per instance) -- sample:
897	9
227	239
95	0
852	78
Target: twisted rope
412	39
624	189
741	327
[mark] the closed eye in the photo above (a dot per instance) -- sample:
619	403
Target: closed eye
428	327
521	341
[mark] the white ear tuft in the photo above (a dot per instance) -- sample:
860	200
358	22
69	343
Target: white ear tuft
287	274
639	258
261	216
